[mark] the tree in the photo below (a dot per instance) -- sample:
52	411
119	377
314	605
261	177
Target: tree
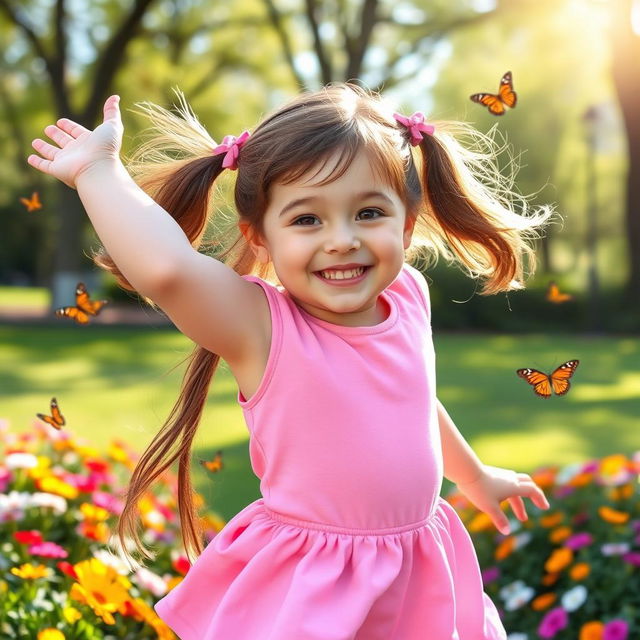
625	46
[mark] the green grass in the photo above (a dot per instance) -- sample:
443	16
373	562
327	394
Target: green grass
37	297
117	382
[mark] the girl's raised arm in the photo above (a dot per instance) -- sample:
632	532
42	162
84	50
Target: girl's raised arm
207	300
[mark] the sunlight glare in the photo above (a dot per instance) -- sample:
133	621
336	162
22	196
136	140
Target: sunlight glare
635	17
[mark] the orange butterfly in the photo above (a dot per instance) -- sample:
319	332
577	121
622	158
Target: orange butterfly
56	419
554	295
496	103
215	464
85	307
558	380
32	204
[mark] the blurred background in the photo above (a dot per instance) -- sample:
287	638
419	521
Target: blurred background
575	134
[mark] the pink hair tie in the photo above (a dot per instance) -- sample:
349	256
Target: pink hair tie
416	126
231	147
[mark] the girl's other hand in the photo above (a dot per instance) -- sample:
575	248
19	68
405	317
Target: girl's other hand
78	149
495	485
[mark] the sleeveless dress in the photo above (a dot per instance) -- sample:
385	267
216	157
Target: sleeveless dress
350	539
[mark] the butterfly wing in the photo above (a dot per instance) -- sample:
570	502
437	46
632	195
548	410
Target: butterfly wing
554	295
74	313
506	92
491	101
215	464
56	419
540	382
560	377
84	302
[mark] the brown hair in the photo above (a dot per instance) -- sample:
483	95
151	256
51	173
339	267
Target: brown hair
463	207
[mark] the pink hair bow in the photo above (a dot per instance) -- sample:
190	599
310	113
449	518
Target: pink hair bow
231	147
416	126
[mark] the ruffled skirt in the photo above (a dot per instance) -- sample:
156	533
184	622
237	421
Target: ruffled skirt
267	576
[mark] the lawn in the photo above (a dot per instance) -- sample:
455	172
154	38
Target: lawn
122	382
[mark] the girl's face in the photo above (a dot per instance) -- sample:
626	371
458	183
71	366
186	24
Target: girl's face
354	220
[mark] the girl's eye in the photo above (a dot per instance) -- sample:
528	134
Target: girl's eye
300	221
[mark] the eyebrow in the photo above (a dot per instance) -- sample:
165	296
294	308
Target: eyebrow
360	196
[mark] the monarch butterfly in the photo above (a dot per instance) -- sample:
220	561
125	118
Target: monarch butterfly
56	419
553	294
33	203
85	307
496	103
558	380
215	464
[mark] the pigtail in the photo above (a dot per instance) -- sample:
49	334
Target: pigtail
175	166
469	206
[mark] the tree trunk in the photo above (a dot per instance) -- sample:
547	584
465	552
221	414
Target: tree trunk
625	46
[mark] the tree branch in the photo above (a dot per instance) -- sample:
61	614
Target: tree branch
325	64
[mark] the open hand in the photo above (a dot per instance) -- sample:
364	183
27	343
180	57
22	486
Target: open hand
79	149
495	485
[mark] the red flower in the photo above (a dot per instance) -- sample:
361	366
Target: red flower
28	537
67	569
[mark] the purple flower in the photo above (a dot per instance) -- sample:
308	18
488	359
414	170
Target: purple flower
578	540
635	525
591	466
554	621
490	574
616	630
563	492
633	557
48	550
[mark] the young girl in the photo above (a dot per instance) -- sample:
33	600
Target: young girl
327	331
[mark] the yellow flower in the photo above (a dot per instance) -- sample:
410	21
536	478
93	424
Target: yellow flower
543	602
580	571
71	614
31	572
92	512
50	634
592	631
611	515
558	560
101	587
51	484
614	464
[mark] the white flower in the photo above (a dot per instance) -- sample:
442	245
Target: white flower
41	601
509	590
111	560
567	473
517	636
13	505
522	539
574	598
49	500
21	460
520	598
150	581
615	548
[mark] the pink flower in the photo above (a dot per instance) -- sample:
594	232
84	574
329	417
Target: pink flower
48	550
555	620
616	630
563	492
490	574
108	502
633	557
578	540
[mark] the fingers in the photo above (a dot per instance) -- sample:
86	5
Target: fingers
74	129
45	149
112	108
58	135
39	163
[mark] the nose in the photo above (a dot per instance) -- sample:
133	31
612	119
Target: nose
341	239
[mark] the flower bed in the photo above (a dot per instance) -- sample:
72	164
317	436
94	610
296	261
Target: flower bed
571	572
59	576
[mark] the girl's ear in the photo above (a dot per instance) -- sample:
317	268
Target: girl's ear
409	223
256	243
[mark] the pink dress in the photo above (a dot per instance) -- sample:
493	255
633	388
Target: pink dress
350	539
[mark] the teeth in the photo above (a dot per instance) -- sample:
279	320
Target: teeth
342	274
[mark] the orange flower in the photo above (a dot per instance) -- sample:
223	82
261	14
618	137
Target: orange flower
543	602
611	515
560	534
545	478
558	560
580	571
505	548
580	480
621	493
552	519
549	578
592	631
